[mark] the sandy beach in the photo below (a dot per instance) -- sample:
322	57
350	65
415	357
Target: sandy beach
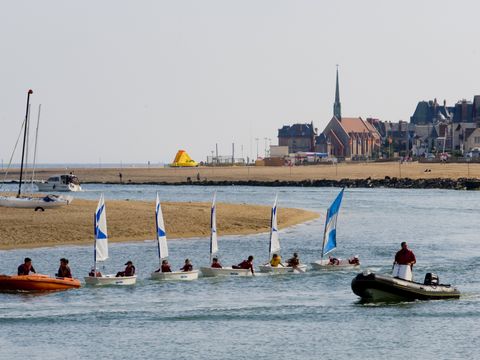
412	170
134	221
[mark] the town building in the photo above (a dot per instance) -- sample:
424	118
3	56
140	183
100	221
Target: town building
298	137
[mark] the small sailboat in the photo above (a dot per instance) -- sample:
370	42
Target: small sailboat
330	241
163	251
275	248
218	271
37	203
100	252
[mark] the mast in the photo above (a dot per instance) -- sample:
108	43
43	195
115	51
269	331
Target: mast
24	139
35	149
325	232
213	228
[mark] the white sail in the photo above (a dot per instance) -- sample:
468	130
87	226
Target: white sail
161	234
274	240
213	227
101	236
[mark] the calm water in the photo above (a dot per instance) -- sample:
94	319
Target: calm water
306	316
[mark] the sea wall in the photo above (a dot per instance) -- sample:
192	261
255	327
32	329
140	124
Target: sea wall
387	182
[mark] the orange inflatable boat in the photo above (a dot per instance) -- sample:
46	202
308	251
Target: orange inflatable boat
36	283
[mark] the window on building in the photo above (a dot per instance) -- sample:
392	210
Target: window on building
476	140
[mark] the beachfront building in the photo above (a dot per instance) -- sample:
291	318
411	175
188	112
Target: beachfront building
298	137
347	137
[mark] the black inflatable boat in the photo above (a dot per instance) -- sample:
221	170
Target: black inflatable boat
374	287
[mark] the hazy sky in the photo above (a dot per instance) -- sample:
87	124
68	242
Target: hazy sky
133	81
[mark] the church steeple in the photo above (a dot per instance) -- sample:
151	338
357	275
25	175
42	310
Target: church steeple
337	107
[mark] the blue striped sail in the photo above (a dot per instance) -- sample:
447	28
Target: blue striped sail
101	235
274	240
330	233
213	227
161	234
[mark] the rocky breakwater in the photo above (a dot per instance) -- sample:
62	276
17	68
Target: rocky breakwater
386	182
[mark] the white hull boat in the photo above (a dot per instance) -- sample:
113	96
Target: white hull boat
267	268
37	203
225	271
175	275
163	252
341	264
107	280
60	183
330	242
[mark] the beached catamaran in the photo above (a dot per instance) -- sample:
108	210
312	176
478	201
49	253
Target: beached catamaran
275	248
100	251
19	201
223	271
330	241
163	251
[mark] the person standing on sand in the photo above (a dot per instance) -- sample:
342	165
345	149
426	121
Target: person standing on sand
120	176
26	268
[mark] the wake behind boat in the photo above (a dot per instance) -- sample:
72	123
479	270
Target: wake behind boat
330	241
219	270
100	252
164	272
375	287
275	248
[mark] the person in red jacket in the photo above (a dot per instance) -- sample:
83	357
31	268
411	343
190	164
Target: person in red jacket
246	264
129	270
26	268
216	264
187	266
405	256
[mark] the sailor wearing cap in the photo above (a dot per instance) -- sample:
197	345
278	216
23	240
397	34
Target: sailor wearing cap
129	270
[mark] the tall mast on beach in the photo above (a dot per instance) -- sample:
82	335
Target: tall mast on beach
24	140
337	107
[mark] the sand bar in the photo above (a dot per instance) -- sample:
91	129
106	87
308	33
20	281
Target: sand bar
413	170
134	221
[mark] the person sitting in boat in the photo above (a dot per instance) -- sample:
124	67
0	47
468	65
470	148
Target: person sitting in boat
293	261
405	256
129	270
354	260
26	268
216	264
276	260
92	273
187	266
245	264
165	267
64	270
333	261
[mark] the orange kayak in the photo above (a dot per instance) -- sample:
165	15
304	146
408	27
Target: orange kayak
36	282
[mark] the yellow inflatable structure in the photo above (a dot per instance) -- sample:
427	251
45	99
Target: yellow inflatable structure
182	159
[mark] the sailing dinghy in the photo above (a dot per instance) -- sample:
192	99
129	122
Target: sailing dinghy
27	202
275	248
330	241
220	271
163	252
100	252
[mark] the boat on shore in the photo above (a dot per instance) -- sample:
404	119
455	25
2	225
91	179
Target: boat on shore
375	287
100	252
220	271
275	248
30	202
36	283
330	242
64	182
163	252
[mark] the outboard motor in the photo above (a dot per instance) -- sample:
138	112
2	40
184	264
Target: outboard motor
431	279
